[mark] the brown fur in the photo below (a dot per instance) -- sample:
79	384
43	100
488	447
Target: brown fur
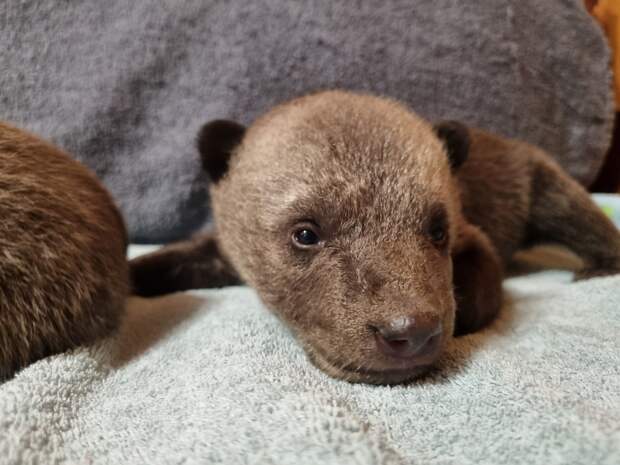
373	175
63	271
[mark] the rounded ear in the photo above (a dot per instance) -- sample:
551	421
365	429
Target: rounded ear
216	142
455	137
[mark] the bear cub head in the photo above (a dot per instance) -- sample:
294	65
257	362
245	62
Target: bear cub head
340	210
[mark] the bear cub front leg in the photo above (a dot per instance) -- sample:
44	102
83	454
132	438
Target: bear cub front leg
477	276
192	264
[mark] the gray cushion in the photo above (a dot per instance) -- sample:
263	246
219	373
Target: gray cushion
124	86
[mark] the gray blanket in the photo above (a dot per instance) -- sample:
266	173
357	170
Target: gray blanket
212	377
124	86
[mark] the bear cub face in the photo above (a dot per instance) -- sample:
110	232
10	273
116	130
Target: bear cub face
343	221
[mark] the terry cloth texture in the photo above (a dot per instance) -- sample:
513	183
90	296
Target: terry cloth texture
212	377
125	86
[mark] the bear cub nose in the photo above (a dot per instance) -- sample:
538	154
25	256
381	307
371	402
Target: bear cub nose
409	337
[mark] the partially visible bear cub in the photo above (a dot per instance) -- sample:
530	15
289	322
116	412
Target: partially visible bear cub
374	235
63	272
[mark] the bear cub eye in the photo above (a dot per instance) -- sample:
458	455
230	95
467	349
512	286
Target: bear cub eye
438	229
438	234
305	235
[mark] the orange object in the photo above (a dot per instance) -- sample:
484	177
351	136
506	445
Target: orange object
607	12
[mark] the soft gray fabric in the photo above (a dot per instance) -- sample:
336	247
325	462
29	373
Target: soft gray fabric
125	85
212	377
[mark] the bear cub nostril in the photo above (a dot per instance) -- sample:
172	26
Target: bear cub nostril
407	338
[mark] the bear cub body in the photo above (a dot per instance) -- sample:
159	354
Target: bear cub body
64	276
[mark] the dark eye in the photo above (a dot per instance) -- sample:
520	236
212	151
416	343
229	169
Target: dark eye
438	227
438	233
306	236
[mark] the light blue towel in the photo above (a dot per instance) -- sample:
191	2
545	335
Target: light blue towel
212	377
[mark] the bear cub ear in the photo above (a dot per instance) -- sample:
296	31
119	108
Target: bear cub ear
216	142
455	137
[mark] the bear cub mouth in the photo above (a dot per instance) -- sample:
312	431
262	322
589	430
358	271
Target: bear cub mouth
402	351
396	372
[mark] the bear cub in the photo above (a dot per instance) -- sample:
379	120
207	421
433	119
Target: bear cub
375	236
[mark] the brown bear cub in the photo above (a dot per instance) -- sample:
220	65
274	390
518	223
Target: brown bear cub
375	236
63	271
